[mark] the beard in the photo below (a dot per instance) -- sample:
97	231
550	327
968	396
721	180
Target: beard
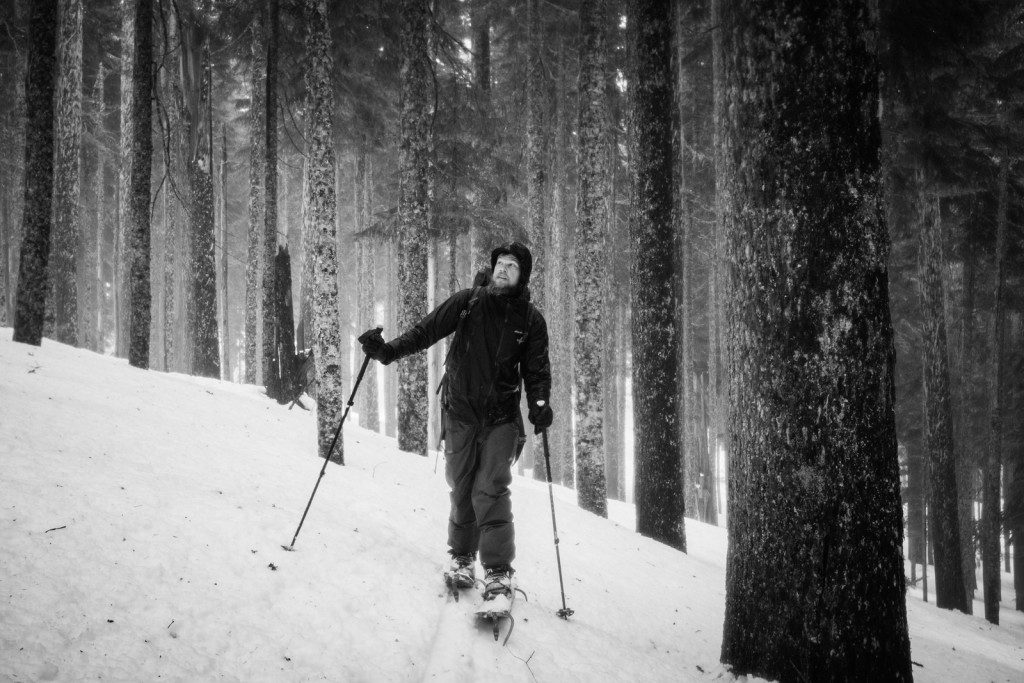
501	288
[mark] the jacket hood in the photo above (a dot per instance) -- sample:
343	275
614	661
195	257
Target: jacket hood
521	254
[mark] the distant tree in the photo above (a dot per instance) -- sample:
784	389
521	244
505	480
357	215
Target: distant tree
137	232
201	265
257	199
122	253
414	151
37	214
369	413
991	513
814	576
940	453
655	279
286	370
590	270
63	290
270	200
320	229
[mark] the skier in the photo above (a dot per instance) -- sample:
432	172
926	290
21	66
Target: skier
500	341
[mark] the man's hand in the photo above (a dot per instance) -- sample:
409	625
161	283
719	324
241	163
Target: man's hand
375	347
541	416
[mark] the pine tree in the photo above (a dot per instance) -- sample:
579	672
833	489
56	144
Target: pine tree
63	282
270	202
38	209
590	271
320	228
122	258
138	229
257	200
414	150
939	448
655	281
814	577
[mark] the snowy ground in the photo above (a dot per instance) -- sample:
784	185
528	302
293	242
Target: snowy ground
142	517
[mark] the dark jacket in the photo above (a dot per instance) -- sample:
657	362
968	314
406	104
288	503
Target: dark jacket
504	339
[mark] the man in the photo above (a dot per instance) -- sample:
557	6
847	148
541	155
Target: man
500	340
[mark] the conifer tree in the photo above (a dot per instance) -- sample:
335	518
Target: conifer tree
590	269
655	281
414	150
37	214
814	576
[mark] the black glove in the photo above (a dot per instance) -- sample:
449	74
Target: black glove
541	416
375	347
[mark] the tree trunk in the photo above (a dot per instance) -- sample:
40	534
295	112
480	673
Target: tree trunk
91	310
414	152
717	405
38	203
257	201
655	280
62	305
965	462
369	416
287	375
560	296
320	228
991	513
939	450
480	27
814	577
535	173
270	207
590	271
201	302
139	222
226	346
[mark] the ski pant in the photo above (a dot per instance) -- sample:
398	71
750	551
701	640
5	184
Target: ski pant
478	468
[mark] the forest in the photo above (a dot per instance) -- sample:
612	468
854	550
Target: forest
777	245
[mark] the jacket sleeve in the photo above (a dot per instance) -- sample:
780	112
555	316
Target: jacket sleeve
535	365
437	325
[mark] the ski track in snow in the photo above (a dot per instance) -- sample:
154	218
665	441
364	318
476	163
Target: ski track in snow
143	514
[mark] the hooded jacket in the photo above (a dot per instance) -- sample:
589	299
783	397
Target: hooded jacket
503	340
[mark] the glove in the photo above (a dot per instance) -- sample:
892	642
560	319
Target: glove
541	416
375	347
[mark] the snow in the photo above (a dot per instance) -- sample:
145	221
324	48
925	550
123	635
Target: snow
143	518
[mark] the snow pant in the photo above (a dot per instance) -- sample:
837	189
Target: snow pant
478	468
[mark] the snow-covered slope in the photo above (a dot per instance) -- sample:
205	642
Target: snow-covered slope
142	518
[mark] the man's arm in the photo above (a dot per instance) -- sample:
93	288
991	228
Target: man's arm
536	366
437	325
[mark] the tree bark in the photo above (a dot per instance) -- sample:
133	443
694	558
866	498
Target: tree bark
591	271
320	227
413	162
535	172
37	214
257	201
369	416
63	290
270	205
991	511
655	279
814	577
561	295
939	449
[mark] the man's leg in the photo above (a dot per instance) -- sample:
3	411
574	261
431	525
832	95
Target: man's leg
492	500
460	466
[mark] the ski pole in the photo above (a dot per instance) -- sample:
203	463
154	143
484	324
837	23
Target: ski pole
327	458
565	612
